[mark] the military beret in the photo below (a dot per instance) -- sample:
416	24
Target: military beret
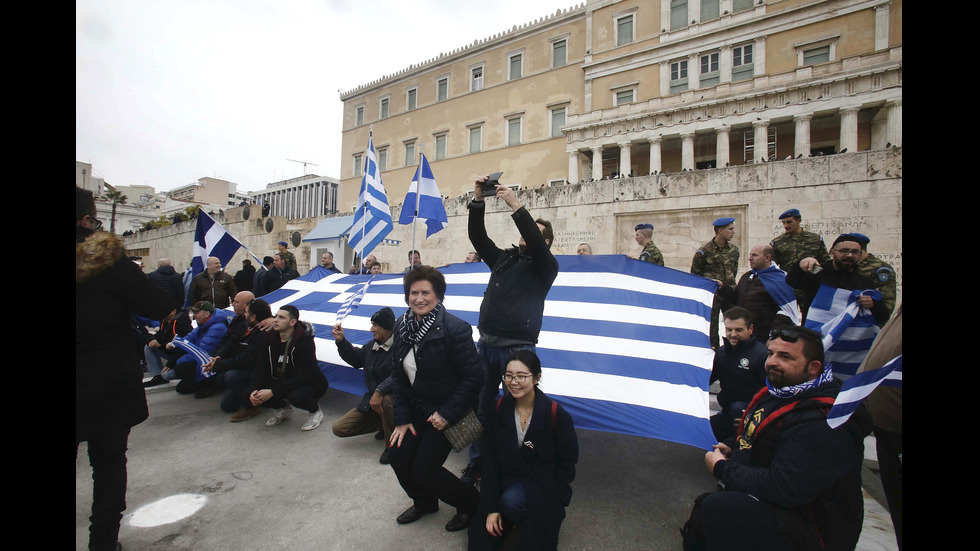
722	221
791	213
862	239
643	227
384	318
283	243
847	237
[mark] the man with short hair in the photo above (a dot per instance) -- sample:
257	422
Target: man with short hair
878	270
278	275
287	256
643	234
213	285
718	260
245	278
374	411
740	368
155	352
791	481
326	261
795	244
288	374
211	328
513	305
234	369
763	291
257	284
471	257
166	277
414	259
237	326
376	268
584	249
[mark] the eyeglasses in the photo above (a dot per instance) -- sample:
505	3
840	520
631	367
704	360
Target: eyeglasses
519	378
846	252
792	334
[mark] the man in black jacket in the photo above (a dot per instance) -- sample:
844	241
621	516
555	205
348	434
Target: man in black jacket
233	365
513	304
740	366
278	275
166	277
791	481
109	396
373	412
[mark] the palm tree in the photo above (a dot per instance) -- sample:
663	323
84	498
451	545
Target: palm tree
117	198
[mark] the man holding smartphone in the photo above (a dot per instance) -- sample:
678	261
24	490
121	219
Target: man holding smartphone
513	304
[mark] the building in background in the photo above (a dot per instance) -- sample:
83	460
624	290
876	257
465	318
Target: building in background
611	88
308	196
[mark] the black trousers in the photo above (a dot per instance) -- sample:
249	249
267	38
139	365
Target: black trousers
107	456
418	465
888	446
735	521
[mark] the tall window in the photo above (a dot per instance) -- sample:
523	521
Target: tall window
412	98
678	76
742	67
516	66
359	115
557	121
678	14
514	131
710	10
476	139
358	161
559	53
382	158
476	78
383	108
442	89
742	5
710	75
410	153
440	146
624	30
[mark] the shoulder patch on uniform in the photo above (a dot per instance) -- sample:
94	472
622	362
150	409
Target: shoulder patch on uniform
884	274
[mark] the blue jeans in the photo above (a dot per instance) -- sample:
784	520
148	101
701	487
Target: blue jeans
236	381
494	360
154	359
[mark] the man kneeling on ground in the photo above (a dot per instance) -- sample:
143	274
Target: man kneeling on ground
373	412
287	374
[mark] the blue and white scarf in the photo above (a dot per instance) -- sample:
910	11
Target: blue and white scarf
793	390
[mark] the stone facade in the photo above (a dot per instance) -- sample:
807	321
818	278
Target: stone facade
836	194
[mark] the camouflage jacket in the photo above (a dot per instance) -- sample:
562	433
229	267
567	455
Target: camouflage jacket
652	254
290	259
790	248
883	275
714	262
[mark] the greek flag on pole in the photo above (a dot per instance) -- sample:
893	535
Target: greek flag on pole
372	220
624	344
425	192
352	301
774	280
859	387
199	354
211	239
848	330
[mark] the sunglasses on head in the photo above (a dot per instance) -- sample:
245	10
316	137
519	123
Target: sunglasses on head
791	334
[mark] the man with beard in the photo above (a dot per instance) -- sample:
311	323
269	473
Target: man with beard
791	481
739	366
838	272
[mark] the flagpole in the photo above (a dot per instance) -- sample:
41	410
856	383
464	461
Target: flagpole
364	206
418	198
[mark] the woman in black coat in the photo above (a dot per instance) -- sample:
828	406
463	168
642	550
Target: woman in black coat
530	452
436	378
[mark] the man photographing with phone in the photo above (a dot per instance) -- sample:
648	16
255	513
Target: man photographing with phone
513	304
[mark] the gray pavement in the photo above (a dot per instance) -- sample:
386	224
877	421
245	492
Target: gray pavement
282	488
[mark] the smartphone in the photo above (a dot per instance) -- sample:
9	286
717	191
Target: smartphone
489	188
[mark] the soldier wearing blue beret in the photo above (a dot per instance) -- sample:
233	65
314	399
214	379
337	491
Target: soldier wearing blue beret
644	238
718	260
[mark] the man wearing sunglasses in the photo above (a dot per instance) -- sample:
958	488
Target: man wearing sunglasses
791	481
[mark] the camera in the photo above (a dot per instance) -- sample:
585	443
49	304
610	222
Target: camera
489	188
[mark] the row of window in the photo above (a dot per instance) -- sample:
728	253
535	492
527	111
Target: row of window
681	14
513	132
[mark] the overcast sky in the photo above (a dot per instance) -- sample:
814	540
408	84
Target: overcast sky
169	92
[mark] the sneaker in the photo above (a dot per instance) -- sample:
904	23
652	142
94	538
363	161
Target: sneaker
314	421
155	381
470	475
244	414
280	416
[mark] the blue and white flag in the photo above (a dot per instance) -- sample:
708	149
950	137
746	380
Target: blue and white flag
199	354
848	330
774	280
424	201
859	387
372	219
353	301
211	239
624	345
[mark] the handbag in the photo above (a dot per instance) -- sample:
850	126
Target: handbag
464	432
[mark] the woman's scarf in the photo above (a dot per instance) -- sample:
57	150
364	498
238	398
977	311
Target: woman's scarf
413	330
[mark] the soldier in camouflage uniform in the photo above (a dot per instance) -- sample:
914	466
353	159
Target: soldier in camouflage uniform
879	271
718	260
289	257
644	238
795	245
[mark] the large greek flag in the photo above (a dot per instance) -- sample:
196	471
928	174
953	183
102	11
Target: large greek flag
624	345
848	330
372	219
211	239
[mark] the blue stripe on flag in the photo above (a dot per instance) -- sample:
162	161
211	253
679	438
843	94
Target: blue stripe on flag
638	364
848	329
372	219
859	387
211	239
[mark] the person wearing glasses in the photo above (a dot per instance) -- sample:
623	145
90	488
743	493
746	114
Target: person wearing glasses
790	481
530	450
839	272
